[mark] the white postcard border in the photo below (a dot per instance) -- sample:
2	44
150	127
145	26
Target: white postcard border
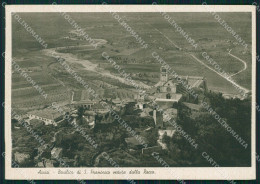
187	173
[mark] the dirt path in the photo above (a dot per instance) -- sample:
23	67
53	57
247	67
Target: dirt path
89	65
54	136
168	39
96	159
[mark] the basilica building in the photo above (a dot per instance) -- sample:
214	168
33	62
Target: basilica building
170	89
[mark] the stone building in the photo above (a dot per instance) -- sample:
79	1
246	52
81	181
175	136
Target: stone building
171	88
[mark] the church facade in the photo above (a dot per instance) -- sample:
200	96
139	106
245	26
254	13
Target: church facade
172	89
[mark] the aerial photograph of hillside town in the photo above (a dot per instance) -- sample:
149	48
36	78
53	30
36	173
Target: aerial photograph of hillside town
131	89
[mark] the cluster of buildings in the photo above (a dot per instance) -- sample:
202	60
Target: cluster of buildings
167	93
91	108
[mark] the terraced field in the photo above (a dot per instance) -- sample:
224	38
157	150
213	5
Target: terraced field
160	36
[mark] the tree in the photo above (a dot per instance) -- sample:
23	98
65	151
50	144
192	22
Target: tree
152	136
166	139
80	114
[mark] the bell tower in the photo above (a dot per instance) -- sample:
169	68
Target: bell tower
163	75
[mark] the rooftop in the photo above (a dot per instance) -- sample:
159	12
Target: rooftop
192	106
175	98
133	141
98	106
117	100
48	113
171	110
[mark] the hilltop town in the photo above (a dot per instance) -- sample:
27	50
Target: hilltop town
80	111
80	131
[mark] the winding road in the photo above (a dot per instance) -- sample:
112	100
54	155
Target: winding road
245	64
228	79
202	63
